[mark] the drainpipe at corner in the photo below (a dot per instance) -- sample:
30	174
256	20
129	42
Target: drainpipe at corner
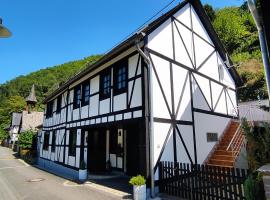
151	122
258	22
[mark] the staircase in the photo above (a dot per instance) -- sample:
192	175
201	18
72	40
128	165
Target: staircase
228	148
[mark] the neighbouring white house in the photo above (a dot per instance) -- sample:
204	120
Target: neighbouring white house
29	119
255	111
14	127
168	87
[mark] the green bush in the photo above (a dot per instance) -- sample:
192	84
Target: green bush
3	134
137	180
26	139
254	188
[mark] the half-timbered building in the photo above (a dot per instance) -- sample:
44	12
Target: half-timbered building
161	95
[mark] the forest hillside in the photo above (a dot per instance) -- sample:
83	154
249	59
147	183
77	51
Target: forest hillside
234	25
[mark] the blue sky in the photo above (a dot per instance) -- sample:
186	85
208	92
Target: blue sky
51	32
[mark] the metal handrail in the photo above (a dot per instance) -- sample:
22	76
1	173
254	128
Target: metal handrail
238	138
234	136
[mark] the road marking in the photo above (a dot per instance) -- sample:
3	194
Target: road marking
12	167
23	162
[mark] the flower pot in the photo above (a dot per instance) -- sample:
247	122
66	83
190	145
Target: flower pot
139	192
23	152
82	174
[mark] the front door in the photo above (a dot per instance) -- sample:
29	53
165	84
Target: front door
96	150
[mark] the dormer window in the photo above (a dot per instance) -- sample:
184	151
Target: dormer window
77	97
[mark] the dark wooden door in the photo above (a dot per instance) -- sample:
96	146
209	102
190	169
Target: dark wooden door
132	151
97	150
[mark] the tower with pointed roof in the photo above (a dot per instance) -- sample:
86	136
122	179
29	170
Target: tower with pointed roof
31	100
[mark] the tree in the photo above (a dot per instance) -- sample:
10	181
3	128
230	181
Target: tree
9	105
13	92
231	28
3	134
210	12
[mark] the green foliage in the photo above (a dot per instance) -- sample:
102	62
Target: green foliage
137	180
26	139
237	30
238	34
253	187
210	12
258	148
3	134
9	105
14	92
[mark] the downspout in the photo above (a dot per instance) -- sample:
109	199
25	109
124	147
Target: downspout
265	57
151	122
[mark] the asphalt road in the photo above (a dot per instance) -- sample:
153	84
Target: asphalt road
16	177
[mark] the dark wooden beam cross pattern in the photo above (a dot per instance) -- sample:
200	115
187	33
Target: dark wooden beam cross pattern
173	112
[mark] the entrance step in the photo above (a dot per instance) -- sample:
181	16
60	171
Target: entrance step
105	176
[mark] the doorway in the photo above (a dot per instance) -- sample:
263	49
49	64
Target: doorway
96	155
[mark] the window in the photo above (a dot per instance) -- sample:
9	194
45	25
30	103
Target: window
46	141
85	93
77	97
53	141
49	110
105	85
120	77
59	102
72	142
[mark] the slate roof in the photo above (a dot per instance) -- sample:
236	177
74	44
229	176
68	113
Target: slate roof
131	41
